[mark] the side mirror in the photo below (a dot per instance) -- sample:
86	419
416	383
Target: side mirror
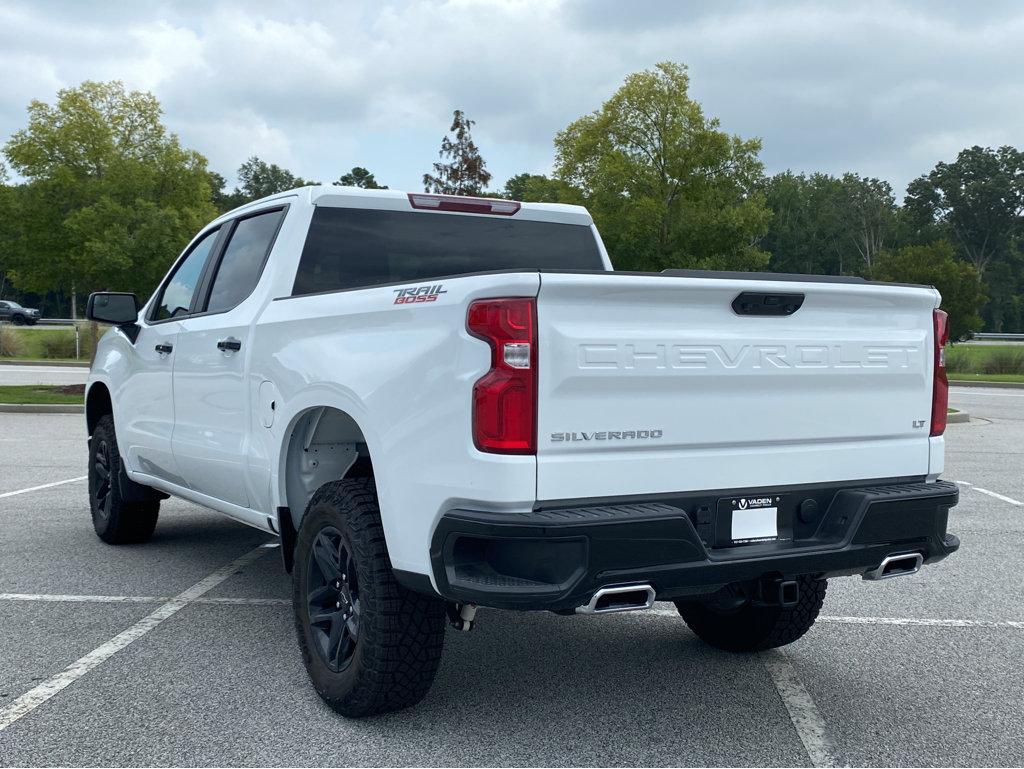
117	309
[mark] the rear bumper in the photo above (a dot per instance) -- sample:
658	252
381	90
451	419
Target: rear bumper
557	558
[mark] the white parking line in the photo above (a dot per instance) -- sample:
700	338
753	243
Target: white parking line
1011	500
241	601
35	697
46	369
922	622
982	391
44	486
809	725
66	598
996	495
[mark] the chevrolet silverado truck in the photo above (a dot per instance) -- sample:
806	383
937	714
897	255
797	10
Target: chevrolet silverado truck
442	403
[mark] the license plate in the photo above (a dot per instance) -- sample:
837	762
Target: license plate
754	519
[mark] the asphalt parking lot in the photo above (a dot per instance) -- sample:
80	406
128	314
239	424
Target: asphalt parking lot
923	670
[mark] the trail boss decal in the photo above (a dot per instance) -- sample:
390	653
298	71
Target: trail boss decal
419	294
607	435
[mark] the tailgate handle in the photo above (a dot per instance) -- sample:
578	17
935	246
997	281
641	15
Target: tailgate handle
761	303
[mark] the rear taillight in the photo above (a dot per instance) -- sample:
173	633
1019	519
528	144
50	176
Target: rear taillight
505	398
940	391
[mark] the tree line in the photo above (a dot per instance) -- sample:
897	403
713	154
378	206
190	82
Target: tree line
108	196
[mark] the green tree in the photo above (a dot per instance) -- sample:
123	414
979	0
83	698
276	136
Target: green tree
829	225
223	200
666	185
1004	286
110	198
537	188
9	229
869	209
465	172
359	177
257	179
978	200
935	264
805	233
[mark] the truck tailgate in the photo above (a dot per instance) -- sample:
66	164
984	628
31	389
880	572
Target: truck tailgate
654	384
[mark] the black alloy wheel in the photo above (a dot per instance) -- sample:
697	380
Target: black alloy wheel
100	482
332	599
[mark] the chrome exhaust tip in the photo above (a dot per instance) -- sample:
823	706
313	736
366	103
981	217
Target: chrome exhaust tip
896	566
608	600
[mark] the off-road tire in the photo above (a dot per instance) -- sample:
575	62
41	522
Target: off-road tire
116	521
752	628
397	649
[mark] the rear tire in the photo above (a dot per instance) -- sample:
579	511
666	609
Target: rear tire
751	628
116	521
369	644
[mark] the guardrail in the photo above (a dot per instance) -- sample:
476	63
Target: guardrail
999	337
47	322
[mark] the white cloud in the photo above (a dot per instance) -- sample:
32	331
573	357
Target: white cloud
883	88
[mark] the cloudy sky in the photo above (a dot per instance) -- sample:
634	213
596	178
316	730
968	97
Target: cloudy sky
886	89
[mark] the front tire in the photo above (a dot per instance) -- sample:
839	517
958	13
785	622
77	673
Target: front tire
116	521
369	644
742	626
18	320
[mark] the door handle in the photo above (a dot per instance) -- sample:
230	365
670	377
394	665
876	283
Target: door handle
229	345
163	349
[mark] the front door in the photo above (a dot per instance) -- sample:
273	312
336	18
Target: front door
145	402
145	406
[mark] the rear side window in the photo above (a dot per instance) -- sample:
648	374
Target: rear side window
242	264
351	247
176	298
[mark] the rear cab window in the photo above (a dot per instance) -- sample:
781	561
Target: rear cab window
355	248
242	262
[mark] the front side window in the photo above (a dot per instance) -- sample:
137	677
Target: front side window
176	297
242	264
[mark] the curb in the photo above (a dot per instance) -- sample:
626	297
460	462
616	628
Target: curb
959	418
977	383
50	363
42	408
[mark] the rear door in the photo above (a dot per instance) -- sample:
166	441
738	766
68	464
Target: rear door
211	398
655	384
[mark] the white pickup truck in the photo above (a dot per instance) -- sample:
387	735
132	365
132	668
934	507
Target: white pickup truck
439	403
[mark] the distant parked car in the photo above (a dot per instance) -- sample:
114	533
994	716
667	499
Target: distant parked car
18	315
